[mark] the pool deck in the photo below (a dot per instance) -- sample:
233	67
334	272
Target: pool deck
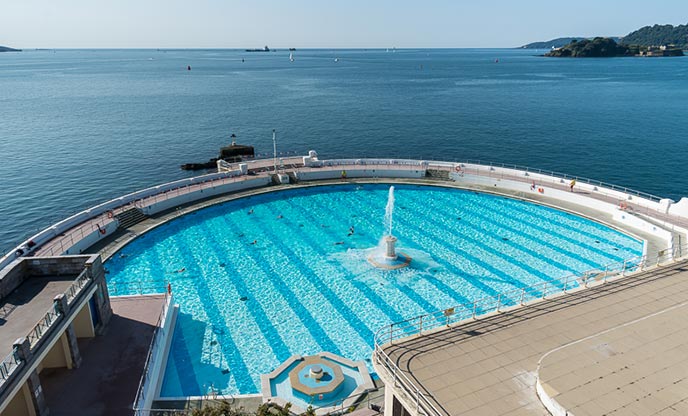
491	371
21	310
111	244
106	382
60	243
620	348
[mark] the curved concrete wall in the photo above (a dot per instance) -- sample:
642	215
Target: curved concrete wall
217	184
578	198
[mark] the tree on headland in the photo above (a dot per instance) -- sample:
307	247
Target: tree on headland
607	47
659	35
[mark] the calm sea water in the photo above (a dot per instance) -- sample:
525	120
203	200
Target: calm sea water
79	127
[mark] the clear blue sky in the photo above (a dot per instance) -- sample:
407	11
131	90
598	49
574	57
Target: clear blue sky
310	23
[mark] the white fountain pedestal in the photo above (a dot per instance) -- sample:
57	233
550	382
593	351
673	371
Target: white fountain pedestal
390	259
390	240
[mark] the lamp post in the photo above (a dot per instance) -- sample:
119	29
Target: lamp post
274	150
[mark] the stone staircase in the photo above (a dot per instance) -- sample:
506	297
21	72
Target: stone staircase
437	174
275	180
130	217
292	177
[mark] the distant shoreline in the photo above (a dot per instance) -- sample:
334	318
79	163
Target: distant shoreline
8	49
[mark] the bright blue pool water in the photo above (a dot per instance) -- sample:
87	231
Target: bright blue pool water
305	287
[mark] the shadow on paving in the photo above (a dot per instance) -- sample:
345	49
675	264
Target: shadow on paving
109	375
405	352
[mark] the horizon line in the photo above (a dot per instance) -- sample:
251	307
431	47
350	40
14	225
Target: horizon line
244	49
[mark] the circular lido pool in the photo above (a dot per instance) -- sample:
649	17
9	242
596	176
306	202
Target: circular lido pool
262	278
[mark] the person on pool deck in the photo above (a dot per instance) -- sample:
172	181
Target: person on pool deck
572	184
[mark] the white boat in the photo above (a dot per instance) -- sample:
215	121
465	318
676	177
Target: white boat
291	57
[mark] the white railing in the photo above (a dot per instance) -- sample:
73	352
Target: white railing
154	349
75	288
566	177
387	335
423	402
8	366
42	327
10	363
78	226
374	162
56	239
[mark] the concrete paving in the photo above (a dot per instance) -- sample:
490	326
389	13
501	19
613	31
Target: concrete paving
489	366
21	310
638	368
107	381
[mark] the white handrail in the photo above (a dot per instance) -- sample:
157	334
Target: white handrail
153	351
388	334
162	192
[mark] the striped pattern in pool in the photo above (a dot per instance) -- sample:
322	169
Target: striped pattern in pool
265	277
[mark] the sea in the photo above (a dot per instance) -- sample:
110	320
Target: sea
80	127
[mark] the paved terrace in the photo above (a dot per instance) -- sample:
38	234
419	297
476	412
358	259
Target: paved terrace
106	382
59	244
625	352
21	310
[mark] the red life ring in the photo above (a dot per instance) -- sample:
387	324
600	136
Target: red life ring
541	190
110	214
102	230
457	168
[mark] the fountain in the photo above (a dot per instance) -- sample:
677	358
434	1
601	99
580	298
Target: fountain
325	381
385	257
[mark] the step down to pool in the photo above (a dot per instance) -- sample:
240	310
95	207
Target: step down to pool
130	217
280	178
292	177
437	174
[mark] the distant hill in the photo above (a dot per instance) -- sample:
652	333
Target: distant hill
607	47
659	35
6	49
555	43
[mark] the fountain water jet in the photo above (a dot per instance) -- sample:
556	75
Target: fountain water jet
389	259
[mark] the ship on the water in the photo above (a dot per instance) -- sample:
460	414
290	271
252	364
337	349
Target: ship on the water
263	49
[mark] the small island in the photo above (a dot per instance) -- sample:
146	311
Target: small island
606	48
556	43
6	49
